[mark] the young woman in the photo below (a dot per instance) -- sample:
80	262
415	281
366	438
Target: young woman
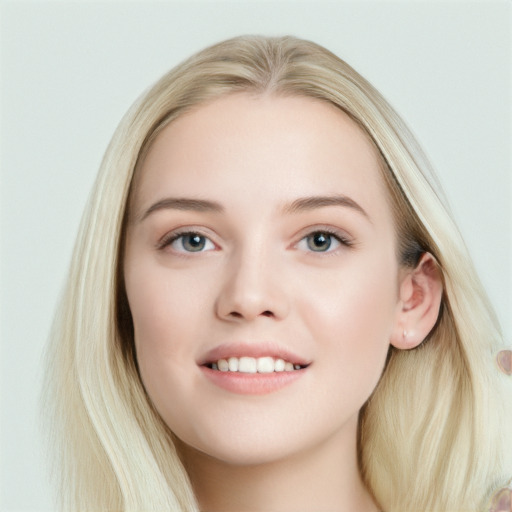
269	307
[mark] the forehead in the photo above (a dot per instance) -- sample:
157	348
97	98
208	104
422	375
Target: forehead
272	147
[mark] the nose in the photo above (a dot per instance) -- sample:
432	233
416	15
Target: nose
252	288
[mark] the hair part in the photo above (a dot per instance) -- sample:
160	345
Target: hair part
432	434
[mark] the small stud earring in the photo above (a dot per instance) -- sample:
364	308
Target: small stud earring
405	335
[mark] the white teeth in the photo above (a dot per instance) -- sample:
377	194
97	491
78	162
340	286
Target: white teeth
254	365
233	364
247	365
223	365
265	364
279	365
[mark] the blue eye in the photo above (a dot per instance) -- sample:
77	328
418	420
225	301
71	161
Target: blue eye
320	241
191	242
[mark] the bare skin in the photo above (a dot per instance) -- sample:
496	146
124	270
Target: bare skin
312	480
261	228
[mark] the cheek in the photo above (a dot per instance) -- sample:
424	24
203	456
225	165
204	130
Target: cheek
166	311
166	319
162	302
352	319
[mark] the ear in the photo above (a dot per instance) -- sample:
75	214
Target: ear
420	295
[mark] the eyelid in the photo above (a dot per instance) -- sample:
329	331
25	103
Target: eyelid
340	235
171	236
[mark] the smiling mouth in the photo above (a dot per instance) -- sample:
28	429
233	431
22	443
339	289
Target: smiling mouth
254	365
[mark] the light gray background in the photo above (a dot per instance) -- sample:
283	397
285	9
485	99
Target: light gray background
71	69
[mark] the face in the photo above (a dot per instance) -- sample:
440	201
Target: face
261	237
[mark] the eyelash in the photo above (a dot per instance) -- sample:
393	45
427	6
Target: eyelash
342	239
172	237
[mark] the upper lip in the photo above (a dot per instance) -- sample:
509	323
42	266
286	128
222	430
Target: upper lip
255	349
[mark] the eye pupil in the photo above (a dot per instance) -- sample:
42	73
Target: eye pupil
194	242
319	242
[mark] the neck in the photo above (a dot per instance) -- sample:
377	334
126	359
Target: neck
324	477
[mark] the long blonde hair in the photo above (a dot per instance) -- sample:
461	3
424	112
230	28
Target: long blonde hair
433	435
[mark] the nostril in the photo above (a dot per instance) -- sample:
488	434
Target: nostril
267	313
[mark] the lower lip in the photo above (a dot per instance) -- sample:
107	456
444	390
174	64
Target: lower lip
252	383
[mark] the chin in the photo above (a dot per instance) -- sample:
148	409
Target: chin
254	443
245	454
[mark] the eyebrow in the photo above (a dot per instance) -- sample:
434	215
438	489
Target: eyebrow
180	203
299	205
313	202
